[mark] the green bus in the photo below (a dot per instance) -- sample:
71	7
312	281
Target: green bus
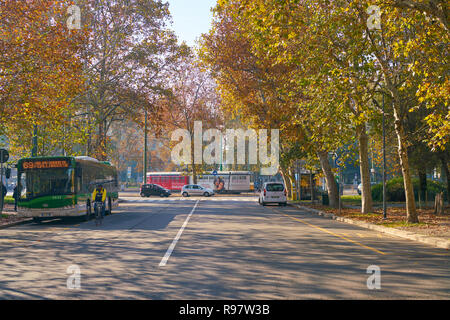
62	186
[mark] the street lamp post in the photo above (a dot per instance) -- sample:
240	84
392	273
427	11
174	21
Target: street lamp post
4	156
221	154
1	182
384	165
144	176
340	190
299	181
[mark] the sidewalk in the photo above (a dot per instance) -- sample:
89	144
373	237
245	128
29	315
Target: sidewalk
9	217
432	230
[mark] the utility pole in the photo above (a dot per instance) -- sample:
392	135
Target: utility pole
338	165
144	176
384	165
1	182
4	156
298	181
221	154
372	171
340	190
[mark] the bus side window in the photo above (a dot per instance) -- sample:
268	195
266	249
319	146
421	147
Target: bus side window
78	184
78	179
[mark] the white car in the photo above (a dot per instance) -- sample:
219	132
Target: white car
360	187
273	192
196	190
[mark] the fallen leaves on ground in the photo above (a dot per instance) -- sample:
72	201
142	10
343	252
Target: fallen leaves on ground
429	223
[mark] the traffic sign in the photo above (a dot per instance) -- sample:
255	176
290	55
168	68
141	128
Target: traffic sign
214	173
337	161
4	155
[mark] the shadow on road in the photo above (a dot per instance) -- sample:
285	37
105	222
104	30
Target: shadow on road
237	251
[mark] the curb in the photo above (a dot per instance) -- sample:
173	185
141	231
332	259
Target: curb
15	223
433	241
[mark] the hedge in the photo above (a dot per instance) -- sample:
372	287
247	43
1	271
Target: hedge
396	192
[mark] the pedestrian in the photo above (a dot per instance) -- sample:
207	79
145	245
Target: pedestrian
16	196
257	186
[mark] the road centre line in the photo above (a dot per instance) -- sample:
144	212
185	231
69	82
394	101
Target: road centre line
177	237
332	233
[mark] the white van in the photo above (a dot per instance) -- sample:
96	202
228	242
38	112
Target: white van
273	192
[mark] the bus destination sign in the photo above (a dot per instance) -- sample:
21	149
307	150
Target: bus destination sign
45	164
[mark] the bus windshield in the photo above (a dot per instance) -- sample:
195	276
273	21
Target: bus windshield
45	182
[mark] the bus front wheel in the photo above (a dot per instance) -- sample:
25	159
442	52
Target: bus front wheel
37	220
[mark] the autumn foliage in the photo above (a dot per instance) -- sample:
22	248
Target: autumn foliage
40	69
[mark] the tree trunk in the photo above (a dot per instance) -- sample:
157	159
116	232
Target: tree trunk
100	148
439	204
287	181
333	194
194	168
292	181
366	192
411	212
89	137
194	174
397	107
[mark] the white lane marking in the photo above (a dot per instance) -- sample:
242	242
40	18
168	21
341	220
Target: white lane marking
177	237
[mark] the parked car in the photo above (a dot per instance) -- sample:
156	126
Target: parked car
273	192
360	187
196	190
148	190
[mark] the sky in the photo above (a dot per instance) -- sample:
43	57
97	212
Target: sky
191	18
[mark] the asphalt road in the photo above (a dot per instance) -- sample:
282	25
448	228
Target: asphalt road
214	248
